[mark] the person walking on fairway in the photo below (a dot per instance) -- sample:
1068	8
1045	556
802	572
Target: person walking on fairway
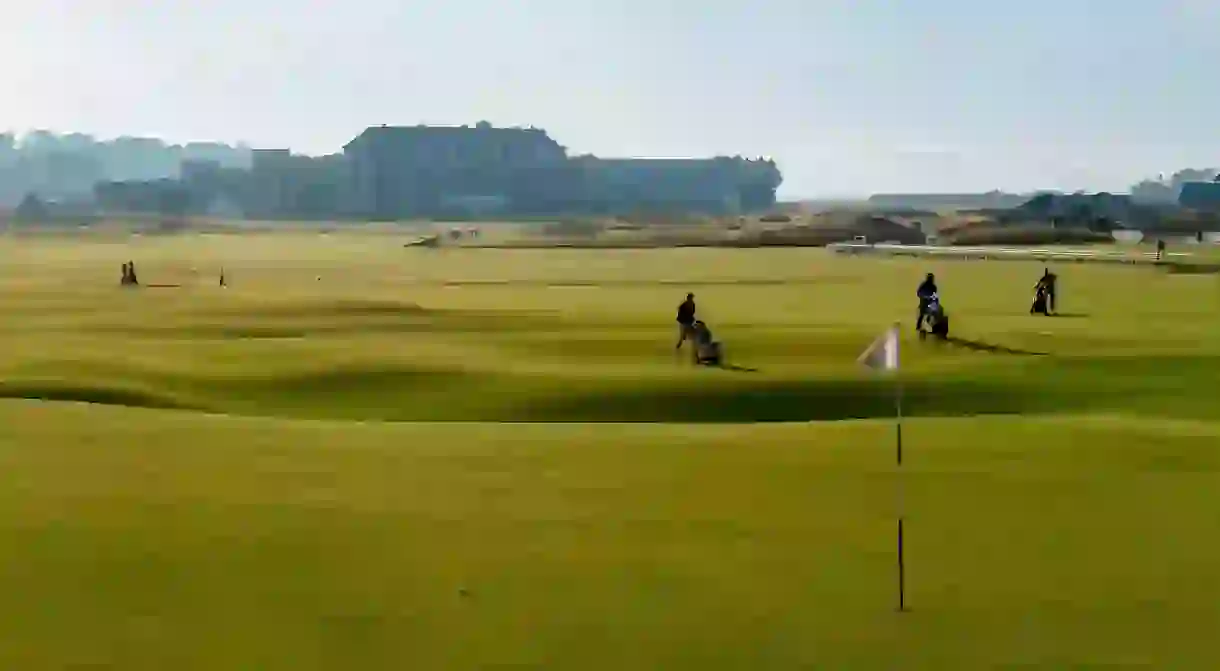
1047	282
925	292
686	320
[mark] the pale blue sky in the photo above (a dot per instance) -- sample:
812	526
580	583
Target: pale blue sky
850	97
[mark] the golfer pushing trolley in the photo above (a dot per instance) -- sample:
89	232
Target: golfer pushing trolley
931	312
707	350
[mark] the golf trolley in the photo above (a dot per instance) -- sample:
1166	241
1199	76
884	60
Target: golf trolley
1040	304
708	352
937	320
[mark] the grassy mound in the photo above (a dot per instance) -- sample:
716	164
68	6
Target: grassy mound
334	473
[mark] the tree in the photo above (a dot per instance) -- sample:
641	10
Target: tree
1102	225
1163	190
31	209
1152	191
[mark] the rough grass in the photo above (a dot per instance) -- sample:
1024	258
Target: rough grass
317	474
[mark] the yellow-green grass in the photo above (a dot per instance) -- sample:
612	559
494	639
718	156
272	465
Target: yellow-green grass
336	473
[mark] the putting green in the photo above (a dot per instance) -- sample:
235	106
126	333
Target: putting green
308	473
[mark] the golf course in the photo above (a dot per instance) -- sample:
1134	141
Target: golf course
363	456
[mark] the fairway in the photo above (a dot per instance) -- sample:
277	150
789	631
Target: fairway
360	456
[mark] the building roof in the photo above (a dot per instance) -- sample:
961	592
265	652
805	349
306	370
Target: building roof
398	132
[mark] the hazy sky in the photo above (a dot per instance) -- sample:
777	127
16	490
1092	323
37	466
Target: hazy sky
850	97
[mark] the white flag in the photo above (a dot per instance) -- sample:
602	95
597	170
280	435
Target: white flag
883	353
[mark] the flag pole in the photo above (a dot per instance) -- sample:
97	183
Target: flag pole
887	346
898	456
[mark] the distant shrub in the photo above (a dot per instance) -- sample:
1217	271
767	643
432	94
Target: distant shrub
572	228
172	225
653	219
1186	224
1026	235
803	236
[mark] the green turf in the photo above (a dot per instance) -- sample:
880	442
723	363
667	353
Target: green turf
316	473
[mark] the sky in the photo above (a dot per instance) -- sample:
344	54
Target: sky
849	97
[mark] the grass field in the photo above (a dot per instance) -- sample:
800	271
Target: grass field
359	456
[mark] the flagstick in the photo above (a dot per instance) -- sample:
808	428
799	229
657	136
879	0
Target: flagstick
889	346
898	454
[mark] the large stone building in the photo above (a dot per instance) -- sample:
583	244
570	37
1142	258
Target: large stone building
397	172
400	171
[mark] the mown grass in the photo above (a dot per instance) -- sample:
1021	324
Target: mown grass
307	473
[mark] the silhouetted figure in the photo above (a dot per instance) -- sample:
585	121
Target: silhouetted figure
129	275
686	320
1046	285
1160	249
222	277
927	289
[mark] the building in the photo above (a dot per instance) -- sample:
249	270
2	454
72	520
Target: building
400	172
719	185
283	185
404	171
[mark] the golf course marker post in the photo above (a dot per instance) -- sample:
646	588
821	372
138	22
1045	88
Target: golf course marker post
882	356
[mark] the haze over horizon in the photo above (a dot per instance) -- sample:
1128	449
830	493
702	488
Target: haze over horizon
850	98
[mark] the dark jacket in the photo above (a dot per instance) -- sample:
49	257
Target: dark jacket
686	313
926	289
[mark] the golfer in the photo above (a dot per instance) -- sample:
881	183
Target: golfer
686	320
1047	282
925	292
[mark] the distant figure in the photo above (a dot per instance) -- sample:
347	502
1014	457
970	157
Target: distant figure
129	275
1160	249
686	320
222	277
926	291
1046	283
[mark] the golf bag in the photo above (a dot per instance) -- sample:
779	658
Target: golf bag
708	352
1039	304
937	319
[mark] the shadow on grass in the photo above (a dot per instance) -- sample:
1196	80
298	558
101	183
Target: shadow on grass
329	309
259	333
420	395
331	319
793	401
1180	268
1170	387
96	394
1064	315
734	368
980	346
